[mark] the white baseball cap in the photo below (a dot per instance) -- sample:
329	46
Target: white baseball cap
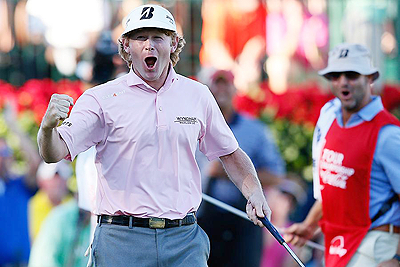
350	57
47	171
149	16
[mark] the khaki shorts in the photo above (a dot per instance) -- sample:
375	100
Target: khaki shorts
376	247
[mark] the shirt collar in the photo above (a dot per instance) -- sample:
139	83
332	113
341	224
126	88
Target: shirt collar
134	80
368	112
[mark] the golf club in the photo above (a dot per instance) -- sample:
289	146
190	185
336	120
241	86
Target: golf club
243	214
280	239
265	222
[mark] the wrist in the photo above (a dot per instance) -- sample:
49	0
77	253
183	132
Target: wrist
311	223
46	129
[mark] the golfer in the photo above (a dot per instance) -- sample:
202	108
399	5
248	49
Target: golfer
356	159
145	126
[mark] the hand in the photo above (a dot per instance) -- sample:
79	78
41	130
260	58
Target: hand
389	263
257	206
298	234
57	110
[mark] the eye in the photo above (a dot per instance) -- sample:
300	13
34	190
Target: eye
334	75
139	37
351	75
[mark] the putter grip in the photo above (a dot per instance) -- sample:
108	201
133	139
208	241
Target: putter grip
272	230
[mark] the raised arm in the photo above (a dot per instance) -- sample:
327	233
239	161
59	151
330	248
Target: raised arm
241	171
52	147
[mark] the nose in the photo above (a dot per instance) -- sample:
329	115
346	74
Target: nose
149	45
342	79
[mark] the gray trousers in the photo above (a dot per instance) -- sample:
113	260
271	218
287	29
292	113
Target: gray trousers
120	246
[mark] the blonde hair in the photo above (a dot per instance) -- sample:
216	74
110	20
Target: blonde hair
173	56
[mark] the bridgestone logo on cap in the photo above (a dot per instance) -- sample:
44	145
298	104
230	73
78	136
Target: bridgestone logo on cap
147	13
343	53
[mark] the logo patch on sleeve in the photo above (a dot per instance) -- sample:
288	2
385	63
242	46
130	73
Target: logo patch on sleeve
67	123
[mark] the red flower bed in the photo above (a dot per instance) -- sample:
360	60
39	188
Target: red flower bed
302	104
299	104
35	95
391	96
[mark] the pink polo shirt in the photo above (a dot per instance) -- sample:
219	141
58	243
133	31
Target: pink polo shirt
146	142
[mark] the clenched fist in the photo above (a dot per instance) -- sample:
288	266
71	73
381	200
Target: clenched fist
57	110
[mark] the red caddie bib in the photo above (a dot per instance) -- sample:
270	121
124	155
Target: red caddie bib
344	173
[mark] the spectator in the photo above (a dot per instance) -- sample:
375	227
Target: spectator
234	241
63	239
52	182
15	192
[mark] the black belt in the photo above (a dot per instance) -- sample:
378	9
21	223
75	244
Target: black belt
155	223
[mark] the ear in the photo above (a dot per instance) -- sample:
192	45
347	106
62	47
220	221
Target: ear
370	79
125	44
174	44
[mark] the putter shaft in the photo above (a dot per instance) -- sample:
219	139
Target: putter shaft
280	239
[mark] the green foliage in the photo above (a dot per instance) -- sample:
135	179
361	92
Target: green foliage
28	126
295	143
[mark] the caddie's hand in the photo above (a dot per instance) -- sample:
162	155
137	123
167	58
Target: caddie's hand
57	110
257	206
298	233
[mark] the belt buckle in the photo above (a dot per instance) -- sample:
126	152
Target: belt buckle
157	223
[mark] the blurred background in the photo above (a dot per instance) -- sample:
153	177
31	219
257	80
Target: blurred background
274	48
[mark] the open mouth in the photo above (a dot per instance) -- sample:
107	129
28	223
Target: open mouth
346	95
150	62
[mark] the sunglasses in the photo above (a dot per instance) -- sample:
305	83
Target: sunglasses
350	75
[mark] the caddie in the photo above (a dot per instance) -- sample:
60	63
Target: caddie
356	160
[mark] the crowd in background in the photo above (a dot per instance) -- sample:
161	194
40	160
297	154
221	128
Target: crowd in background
272	48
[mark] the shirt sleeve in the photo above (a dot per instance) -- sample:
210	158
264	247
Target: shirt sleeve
217	138
85	125
387	154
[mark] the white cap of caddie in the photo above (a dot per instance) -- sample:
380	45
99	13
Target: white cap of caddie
350	57
47	171
149	16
